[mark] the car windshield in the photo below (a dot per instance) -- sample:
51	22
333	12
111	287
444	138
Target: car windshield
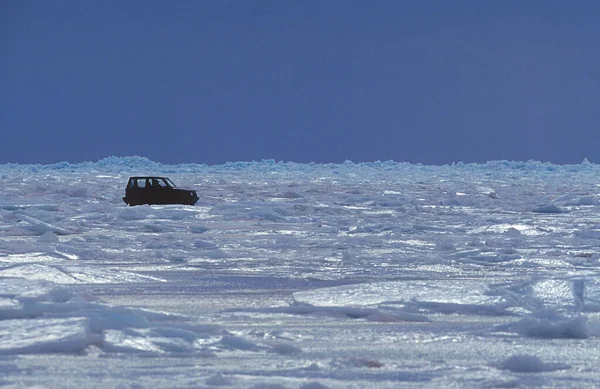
167	182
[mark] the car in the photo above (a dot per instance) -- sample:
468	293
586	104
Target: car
157	190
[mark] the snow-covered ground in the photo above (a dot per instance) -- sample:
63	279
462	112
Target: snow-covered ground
378	275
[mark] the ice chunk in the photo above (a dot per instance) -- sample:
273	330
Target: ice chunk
548	324
371	314
558	293
314	385
73	274
286	349
218	380
144	341
49	237
132	214
466	293
41	227
238	343
36	271
198	229
548	209
44	335
205	245
530	364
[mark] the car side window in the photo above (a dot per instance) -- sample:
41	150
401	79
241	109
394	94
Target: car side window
142	183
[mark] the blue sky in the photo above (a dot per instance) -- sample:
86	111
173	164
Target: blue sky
425	81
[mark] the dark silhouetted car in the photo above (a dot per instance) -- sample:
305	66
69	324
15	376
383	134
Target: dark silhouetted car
157	190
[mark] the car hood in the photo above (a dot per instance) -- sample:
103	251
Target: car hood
185	190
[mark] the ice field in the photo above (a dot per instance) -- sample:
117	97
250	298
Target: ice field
283	275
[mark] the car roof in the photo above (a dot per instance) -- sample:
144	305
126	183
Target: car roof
144	177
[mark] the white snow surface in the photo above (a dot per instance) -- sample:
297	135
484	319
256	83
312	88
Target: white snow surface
284	275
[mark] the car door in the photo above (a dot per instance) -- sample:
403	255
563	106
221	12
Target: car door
164	191
144	191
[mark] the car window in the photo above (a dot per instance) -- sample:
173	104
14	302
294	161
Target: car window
142	183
